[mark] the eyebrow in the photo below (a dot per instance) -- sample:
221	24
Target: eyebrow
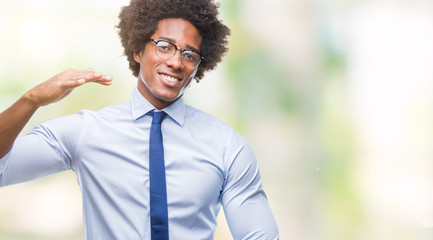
173	41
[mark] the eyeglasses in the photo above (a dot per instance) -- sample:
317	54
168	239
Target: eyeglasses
190	58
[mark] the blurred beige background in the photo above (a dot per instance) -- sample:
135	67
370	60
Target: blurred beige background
335	97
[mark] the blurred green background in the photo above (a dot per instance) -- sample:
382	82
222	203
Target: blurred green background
335	97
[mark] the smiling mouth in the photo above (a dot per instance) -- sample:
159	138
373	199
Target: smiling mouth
170	78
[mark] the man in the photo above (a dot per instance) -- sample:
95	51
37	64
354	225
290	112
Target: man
151	168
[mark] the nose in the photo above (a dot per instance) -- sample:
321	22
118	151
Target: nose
176	61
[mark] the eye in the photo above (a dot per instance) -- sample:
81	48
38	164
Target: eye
190	56
164	46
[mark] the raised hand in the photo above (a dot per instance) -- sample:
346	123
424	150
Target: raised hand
13	119
62	84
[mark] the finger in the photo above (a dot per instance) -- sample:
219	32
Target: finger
103	78
106	83
97	75
73	83
96	78
89	77
80	82
72	74
106	78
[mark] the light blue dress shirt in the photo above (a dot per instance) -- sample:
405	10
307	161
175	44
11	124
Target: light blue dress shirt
207	163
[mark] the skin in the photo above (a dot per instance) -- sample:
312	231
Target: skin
157	90
161	93
13	119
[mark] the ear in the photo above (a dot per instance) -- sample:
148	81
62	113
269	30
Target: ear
137	56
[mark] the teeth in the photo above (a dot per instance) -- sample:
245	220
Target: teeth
170	78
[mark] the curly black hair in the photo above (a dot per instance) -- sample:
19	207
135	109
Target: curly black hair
140	19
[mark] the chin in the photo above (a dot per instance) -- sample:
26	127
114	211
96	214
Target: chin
166	98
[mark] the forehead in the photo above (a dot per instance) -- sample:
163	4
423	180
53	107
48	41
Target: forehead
181	32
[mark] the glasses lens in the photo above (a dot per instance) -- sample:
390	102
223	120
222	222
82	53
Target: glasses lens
190	58
165	49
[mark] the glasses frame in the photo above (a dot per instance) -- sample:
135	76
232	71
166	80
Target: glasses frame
156	41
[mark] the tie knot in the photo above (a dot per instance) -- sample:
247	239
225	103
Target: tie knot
158	117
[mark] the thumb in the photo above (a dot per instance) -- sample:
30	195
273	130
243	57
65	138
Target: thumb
74	83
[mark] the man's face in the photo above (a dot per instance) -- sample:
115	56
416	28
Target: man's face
161	81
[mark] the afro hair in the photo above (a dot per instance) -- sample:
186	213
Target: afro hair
139	20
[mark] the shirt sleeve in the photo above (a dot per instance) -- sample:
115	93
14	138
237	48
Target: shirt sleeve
244	201
48	148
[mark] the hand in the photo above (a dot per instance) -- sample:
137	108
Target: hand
61	85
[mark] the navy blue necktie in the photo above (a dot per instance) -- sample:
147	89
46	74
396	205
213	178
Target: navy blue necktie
158	193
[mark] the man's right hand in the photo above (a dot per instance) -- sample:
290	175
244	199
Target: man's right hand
61	85
13	119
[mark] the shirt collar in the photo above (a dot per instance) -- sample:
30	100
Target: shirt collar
140	106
